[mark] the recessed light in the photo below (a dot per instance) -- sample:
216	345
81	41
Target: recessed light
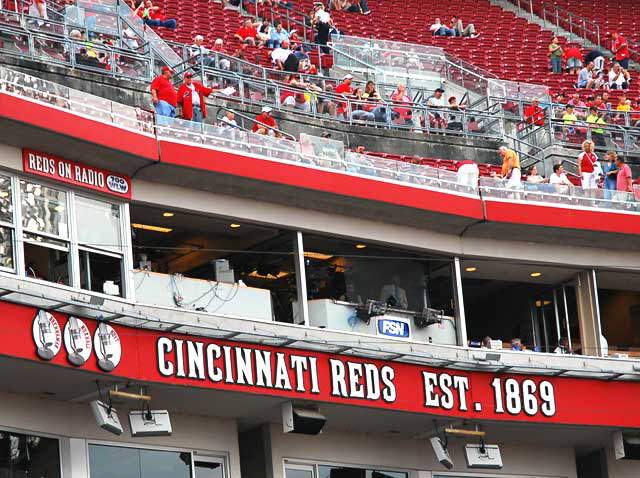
535	274
234	226
360	246
471	269
168	214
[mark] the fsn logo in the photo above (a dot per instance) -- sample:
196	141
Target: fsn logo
394	328
117	184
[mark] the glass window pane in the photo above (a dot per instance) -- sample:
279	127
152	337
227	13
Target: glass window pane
98	271
6	202
214	469
44	262
23	455
44	209
98	223
296	473
164	464
6	248
110	461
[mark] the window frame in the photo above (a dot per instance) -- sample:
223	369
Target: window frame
59	438
73	246
204	454
303	463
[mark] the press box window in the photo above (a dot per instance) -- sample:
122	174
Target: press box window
44	209
23	455
46	258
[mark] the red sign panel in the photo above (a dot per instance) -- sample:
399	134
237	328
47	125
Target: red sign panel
77	174
169	358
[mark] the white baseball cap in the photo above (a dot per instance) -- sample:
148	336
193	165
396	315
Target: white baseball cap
347	77
266	109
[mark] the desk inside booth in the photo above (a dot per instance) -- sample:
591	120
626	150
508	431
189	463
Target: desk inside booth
230	299
340	315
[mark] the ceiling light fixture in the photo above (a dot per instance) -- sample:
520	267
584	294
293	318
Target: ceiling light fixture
317	255
471	269
168	214
234	226
147	227
361	246
535	274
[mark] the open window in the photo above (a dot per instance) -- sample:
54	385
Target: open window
24	454
508	303
619	300
211	264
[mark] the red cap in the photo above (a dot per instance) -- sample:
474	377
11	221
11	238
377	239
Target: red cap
188	74
167	68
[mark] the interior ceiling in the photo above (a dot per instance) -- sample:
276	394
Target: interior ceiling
75	385
516	272
618	280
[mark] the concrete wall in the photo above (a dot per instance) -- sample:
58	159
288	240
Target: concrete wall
75	422
622	468
412	454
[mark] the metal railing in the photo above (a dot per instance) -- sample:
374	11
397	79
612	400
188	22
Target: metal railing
575	24
310	151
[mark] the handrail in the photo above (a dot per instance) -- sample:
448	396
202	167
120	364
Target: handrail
560	15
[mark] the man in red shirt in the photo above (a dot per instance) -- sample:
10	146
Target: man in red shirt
344	88
247	33
621	50
533	114
164	96
573	57
191	98
264	123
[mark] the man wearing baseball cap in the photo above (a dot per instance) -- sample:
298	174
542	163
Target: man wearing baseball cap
191	98
344	88
164	96
264	123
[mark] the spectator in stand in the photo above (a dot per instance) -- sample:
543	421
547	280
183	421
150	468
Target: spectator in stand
247	33
605	100
597	57
555	55
152	15
280	55
588	167
586	79
573	58
228	121
265	124
191	99
559	180
218	47
436	119
374	102
534	178
610	171
455	121
198	48
468	173
37	8
345	89
347	6
299	100
164	96
510	167
439	29
624	180
576	102
618	78
620	49
265	29
517	345
468	31
597	133
534	114
278	36
358	107
322	21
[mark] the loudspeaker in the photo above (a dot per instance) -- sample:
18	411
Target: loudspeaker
483	456
442	454
150	423
105	418
301	420
626	445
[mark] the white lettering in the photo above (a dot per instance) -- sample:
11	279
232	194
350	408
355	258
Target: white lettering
243	366
387	375
355	374
338	383
282	374
213	353
165	366
179	358
299	364
263	368
195	359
